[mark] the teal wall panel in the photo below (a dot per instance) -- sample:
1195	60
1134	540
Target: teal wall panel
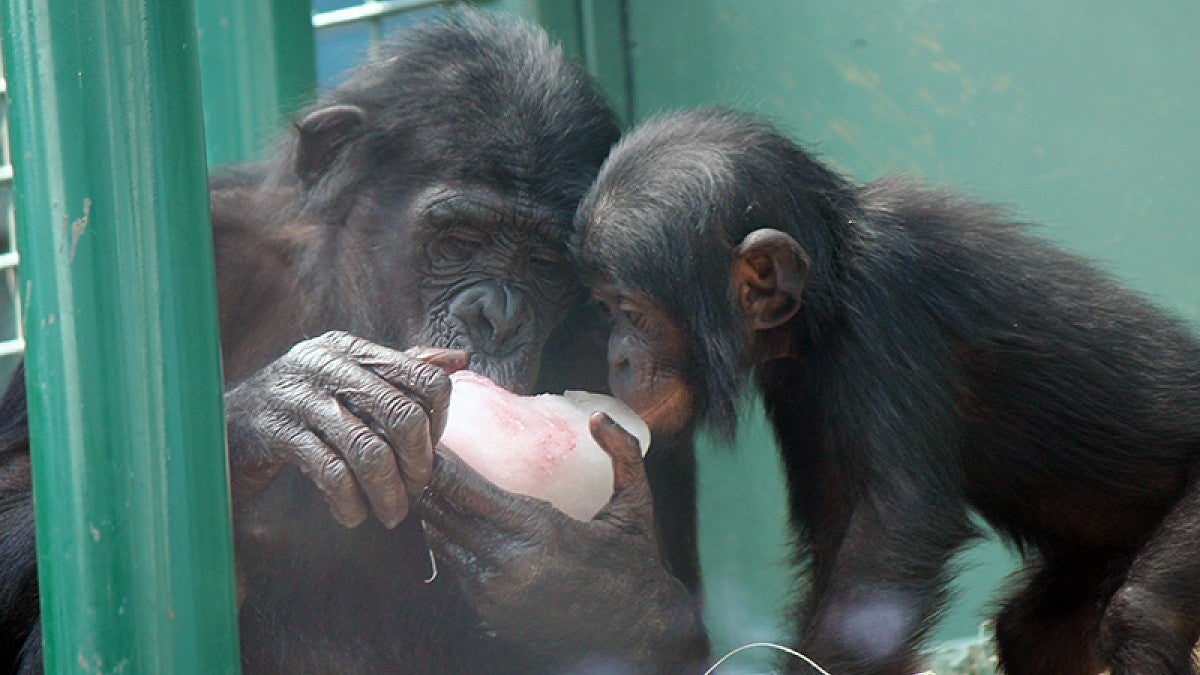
1079	115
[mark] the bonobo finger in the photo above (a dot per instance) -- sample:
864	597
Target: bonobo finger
429	385
449	360
421	372
410	438
622	447
394	415
330	473
392	364
370	459
631	506
461	492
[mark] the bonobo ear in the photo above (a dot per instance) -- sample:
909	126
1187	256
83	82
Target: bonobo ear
323	133
769	271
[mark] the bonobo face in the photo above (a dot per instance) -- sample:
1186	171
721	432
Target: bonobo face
648	361
448	264
460	267
445	173
495	279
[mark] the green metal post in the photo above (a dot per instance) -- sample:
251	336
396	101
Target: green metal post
589	31
258	65
604	51
130	484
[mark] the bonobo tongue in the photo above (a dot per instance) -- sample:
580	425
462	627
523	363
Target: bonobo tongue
537	445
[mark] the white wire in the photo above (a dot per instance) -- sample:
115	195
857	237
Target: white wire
771	645
786	650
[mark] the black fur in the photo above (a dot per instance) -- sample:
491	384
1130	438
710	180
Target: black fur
18	573
944	359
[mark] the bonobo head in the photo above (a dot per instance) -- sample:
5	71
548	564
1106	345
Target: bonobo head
438	184
705	235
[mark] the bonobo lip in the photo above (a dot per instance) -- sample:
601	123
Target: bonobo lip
517	373
664	413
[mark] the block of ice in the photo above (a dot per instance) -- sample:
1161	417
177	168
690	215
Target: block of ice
537	445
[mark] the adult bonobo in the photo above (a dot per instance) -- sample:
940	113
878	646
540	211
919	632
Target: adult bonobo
425	204
920	356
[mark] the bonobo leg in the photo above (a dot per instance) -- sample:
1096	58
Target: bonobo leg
1049	626
876	588
1152	622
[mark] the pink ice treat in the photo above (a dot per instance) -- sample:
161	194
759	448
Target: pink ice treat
537	445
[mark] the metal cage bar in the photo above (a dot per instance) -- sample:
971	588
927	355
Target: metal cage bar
257	67
126	426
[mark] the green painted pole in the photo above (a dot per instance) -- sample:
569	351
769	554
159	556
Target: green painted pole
130	485
258	66
604	51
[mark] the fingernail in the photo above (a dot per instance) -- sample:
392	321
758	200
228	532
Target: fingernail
397	518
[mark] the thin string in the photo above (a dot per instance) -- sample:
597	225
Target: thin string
786	650
771	645
433	568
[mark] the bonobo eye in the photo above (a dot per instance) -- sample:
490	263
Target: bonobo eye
605	309
634	314
459	244
545	264
619	309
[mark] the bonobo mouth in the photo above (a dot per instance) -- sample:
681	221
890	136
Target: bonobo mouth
516	370
668	410
516	373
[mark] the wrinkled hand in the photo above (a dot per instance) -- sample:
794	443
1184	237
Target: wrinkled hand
557	585
357	418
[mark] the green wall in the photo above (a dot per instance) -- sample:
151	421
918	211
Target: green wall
1080	115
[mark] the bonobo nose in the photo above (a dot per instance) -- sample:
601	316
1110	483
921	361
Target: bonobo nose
494	316
620	347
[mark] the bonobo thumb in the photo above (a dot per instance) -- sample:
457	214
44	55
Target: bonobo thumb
631	505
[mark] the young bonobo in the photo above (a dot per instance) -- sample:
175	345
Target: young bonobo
920	356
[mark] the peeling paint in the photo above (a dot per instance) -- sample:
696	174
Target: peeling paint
845	130
80	226
869	81
946	67
1003	85
927	38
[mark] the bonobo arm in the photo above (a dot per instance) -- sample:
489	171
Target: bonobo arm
568	590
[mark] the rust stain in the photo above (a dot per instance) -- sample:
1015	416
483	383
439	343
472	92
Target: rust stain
80	226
